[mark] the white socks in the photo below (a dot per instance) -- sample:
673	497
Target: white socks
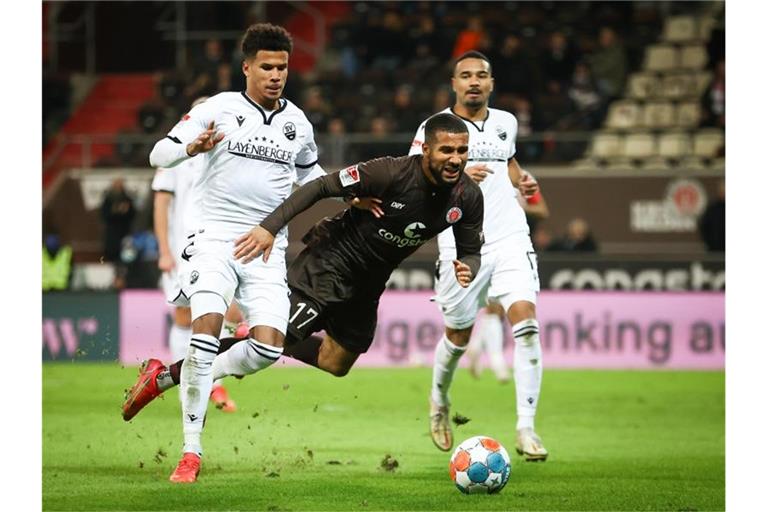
528	370
493	340
178	341
245	357
447	357
196	384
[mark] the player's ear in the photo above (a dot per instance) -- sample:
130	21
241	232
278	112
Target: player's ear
246	67
493	83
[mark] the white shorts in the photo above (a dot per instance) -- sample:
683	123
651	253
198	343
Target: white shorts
508	273
260	289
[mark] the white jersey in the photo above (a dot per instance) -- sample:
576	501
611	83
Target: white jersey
252	170
491	142
183	209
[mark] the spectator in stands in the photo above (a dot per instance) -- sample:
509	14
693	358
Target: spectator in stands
405	112
206	70
558	59
316	108
57	263
389	42
585	97
712	222
471	38
117	213
578	238
609	64
713	102
513	68
553	108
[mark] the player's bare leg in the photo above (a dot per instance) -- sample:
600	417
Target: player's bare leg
528	375
448	351
323	353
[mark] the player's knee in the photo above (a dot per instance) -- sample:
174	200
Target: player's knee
336	368
520	311
183	317
459	337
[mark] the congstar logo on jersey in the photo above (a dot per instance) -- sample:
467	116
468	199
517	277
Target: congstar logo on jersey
260	148
411	236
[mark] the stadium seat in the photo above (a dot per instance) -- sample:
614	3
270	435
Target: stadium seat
676	86
705	28
661	57
703	79
708	143
623	115
621	164
674	145
658	115
638	146
718	164
679	29
655	163
586	164
606	145
693	57
692	163
688	114
642	86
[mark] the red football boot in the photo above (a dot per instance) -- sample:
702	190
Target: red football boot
145	390
221	400
187	470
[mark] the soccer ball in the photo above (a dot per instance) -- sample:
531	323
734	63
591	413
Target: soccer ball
480	465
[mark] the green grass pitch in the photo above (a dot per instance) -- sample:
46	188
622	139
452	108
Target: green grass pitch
304	440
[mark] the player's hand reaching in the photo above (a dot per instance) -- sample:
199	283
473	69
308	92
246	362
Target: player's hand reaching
463	273
165	262
255	242
528	184
372	204
478	172
205	141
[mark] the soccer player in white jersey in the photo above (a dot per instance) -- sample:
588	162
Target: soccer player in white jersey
175	209
509	272
255	145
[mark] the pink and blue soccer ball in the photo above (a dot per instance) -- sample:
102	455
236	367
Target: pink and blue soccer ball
480	465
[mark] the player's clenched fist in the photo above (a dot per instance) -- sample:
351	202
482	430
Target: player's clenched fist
250	245
205	141
463	273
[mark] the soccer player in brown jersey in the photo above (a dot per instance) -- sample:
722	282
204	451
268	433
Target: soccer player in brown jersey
336	281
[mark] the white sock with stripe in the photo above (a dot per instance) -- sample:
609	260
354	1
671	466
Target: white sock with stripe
178	341
196	383
447	357
528	370
245	357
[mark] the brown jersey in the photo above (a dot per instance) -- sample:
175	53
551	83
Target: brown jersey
415	210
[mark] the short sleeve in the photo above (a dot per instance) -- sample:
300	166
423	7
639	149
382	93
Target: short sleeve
512	137
192	124
164	180
418	140
307	156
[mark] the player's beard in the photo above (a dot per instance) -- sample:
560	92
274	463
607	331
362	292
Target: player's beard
437	173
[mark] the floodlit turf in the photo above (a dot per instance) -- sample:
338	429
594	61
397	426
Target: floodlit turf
303	440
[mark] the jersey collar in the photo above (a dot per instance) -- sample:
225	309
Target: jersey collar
267	120
487	114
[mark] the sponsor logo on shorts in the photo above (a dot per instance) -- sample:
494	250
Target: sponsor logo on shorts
349	176
289	130
194	277
454	215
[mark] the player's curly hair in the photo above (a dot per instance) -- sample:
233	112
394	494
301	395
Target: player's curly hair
265	36
444	122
